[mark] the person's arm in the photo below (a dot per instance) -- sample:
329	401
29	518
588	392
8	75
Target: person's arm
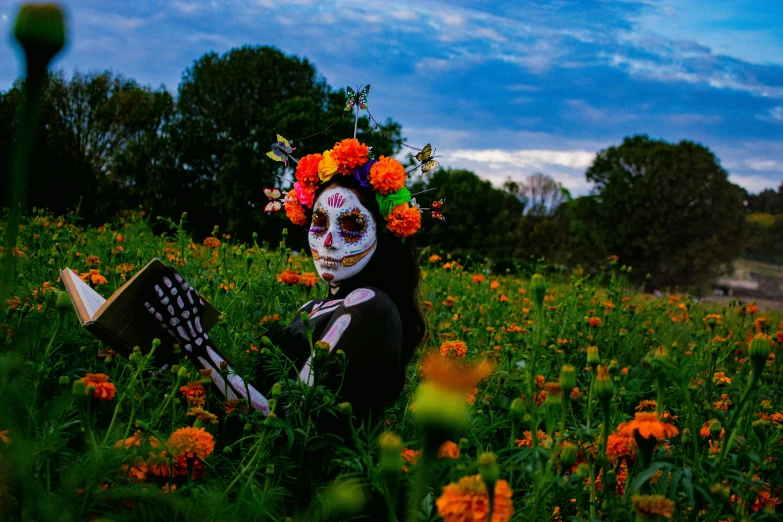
179	309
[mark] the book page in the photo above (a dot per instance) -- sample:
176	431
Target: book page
91	299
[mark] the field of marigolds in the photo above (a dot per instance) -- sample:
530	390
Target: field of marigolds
567	397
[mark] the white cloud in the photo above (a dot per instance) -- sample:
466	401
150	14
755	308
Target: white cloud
753	184
527	159
764	165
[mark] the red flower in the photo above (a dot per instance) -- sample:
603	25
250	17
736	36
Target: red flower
307	171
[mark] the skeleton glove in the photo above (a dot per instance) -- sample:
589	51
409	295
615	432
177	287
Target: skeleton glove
179	310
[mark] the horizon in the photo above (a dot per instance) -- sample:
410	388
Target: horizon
507	94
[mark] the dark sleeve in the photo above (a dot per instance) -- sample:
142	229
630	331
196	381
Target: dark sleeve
292	341
367	328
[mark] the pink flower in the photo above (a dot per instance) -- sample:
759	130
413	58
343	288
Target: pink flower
304	195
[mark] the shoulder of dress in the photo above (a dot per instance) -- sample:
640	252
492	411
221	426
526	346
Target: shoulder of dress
366	294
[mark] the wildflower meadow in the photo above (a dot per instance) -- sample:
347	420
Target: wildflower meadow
568	396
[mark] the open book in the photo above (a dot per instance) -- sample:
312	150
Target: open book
121	321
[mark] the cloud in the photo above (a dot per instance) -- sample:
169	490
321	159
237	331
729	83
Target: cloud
751	183
764	164
565	166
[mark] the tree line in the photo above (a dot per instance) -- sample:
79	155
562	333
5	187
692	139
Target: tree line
107	144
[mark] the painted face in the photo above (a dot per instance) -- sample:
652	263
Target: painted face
342	234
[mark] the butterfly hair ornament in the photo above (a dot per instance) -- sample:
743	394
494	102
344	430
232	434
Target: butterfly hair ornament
349	157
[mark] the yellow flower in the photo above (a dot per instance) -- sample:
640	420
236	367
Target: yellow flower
327	167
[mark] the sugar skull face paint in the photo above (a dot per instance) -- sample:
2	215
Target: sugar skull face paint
342	235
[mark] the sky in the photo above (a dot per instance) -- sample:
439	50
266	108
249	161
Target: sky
503	88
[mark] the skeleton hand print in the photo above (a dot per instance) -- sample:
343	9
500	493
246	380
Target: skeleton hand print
178	309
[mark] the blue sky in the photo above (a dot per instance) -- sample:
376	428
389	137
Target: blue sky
502	88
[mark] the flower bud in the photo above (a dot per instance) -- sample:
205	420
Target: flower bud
79	388
489	469
224	368
206	376
582	471
686	435
759	352
155	344
567	379
538	289
345	408
182	373
40	29
305	319
553	393
715	429
568	454
761	429
592	357
518	407
277	390
65	380
603	384
391	449
464	444
267	343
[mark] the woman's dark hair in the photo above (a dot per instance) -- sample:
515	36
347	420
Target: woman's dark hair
393	268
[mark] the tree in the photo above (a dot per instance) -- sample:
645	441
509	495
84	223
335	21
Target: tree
767	201
88	126
231	107
668	210
543	195
481	219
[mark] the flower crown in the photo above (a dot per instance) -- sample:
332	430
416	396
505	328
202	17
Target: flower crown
349	157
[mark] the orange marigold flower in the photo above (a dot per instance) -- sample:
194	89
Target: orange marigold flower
404	220
136	440
307	171
104	390
452	373
457	348
494	285
751	309
435	258
294	210
191	443
349	154
618	445
478	278
721	378
211	242
595	322
410	456
650	507
450	301
471	397
92	260
723	403
194	392
387	176
289	277
468	501
647	425
202	415
527	439
646	405
308	279
448	450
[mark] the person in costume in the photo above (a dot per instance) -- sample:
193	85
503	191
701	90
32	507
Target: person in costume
360	218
